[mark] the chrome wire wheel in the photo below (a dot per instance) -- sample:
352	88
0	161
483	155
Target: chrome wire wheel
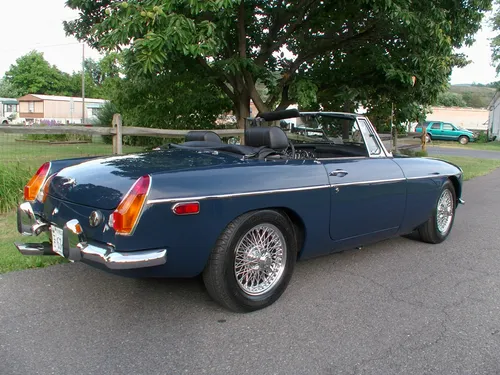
445	211
260	259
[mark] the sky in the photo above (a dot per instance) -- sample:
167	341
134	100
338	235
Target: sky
40	28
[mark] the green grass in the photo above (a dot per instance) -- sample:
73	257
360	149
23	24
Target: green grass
472	167
18	162
490	146
10	258
14	148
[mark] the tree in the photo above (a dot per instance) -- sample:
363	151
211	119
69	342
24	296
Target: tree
495	41
32	74
7	90
284	45
450	99
173	99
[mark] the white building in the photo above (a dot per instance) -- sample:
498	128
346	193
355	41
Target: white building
9	107
494	117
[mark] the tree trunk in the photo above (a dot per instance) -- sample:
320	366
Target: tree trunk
242	111
346	124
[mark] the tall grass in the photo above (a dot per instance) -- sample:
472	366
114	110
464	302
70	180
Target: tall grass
13	177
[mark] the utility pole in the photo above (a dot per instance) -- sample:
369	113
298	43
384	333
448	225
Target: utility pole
83	83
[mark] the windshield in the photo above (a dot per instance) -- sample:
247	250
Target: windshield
322	128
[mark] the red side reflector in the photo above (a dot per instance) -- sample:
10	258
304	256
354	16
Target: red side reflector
188	208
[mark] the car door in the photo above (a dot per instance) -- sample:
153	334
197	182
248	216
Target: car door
450	133
368	194
435	131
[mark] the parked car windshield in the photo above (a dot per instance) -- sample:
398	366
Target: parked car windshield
320	128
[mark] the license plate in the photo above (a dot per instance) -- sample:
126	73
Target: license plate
57	240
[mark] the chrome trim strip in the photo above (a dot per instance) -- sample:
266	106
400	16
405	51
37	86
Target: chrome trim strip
374	182
286	190
428	176
344	158
231	195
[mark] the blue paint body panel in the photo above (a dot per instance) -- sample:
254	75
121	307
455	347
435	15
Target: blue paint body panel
339	202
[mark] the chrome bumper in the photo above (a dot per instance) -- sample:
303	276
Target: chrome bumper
76	248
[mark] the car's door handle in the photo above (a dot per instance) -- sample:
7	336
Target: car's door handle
338	172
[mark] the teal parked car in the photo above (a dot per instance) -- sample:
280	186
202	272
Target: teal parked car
444	131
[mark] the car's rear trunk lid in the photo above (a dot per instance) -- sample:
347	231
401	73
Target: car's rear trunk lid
103	182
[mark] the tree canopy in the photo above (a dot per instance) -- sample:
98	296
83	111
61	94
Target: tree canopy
311	52
33	74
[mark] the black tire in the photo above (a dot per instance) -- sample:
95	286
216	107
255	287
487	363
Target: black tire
5	122
428	138
219	274
463	139
429	231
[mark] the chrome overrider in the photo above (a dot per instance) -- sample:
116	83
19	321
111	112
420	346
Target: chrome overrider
76	247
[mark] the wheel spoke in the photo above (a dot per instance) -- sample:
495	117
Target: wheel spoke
445	212
260	258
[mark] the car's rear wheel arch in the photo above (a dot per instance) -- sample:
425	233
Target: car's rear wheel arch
297	224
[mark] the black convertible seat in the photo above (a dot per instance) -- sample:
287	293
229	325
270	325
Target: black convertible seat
203	135
266	136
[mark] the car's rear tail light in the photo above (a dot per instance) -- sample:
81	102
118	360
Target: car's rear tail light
127	213
33	186
187	208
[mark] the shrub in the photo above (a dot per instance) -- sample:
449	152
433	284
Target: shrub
59	137
13	177
482	137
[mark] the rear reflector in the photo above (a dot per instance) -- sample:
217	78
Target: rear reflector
188	208
129	210
35	183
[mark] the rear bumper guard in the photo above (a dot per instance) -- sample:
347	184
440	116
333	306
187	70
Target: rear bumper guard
75	246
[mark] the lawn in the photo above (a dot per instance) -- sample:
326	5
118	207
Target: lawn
11	260
490	146
472	167
13	149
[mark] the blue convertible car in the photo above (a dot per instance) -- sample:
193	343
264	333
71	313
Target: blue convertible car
302	185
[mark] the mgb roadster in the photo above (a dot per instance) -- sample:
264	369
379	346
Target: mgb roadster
300	185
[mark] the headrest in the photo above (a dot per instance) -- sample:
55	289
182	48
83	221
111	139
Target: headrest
202	135
269	136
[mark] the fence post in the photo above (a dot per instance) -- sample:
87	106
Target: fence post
117	138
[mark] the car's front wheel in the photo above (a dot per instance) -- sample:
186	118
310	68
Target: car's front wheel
428	138
437	228
463	140
252	262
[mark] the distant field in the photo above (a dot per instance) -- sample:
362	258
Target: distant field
476	96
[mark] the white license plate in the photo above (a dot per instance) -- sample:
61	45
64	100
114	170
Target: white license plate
57	240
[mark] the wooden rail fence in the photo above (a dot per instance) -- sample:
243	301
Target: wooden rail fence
117	131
